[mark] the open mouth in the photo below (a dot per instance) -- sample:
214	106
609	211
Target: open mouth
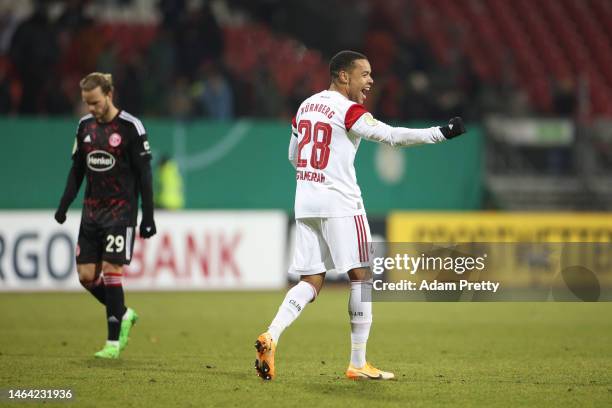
364	93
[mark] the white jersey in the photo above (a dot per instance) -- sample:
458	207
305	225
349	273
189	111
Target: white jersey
326	133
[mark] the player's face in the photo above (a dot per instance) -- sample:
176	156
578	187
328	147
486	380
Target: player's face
360	80
97	103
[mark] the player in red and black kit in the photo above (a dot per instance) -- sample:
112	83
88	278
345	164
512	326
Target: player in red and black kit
112	151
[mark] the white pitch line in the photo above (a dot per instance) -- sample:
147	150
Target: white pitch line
205	158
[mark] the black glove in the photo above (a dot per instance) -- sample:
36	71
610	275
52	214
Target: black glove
454	128
147	227
60	216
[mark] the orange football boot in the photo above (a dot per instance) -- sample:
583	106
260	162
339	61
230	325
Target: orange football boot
264	363
367	372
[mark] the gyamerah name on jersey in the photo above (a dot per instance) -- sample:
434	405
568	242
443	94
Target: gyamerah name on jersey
310	176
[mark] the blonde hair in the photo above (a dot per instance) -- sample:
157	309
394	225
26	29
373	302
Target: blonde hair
97	79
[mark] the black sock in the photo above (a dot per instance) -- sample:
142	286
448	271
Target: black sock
99	292
115	305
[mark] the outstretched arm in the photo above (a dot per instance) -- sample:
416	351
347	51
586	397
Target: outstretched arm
360	122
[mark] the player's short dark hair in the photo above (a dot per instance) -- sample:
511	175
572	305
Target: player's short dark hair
343	61
97	79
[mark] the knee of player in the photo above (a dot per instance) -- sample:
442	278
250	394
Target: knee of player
317	289
88	273
110	268
316	283
87	282
360	274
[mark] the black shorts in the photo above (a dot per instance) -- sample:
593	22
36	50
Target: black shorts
111	244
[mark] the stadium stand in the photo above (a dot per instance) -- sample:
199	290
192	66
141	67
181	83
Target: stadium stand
545	42
557	52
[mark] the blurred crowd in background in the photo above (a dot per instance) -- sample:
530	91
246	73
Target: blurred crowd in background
223	59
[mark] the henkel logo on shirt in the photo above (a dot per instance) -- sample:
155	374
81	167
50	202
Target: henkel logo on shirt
114	140
99	160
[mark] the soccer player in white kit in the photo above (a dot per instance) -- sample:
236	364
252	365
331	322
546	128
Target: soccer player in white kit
332	230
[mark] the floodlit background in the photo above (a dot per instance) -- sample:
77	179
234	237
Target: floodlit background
216	84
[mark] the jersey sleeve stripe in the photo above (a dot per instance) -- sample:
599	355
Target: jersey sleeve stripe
88	116
294	132
135	121
353	114
84	118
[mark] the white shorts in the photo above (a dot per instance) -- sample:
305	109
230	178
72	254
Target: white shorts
324	244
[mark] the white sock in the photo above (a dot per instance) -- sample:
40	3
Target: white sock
360	312
113	343
295	301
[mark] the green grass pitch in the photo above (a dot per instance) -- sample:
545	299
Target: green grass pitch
196	349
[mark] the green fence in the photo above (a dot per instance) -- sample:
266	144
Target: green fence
243	164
